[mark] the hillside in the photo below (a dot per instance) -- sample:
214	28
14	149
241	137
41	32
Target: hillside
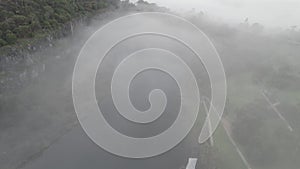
23	19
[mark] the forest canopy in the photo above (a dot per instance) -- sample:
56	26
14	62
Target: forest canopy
27	18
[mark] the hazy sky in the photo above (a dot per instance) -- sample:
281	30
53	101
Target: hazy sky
271	13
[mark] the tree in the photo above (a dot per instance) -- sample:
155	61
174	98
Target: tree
2	42
23	31
10	37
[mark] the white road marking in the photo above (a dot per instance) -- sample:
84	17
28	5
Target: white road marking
191	163
235	145
211	139
273	106
232	140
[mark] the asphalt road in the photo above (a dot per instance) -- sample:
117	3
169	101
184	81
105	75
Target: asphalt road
75	150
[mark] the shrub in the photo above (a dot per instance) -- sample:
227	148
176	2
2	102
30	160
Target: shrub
2	42
23	31
20	19
10	37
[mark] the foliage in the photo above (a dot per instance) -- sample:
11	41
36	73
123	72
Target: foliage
2	42
25	18
10	37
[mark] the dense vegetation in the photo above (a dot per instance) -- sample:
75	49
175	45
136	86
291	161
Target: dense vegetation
21	19
255	60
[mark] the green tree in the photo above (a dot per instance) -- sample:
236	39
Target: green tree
10	37
2	42
23	31
20	19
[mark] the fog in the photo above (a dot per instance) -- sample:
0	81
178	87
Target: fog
39	127
271	13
